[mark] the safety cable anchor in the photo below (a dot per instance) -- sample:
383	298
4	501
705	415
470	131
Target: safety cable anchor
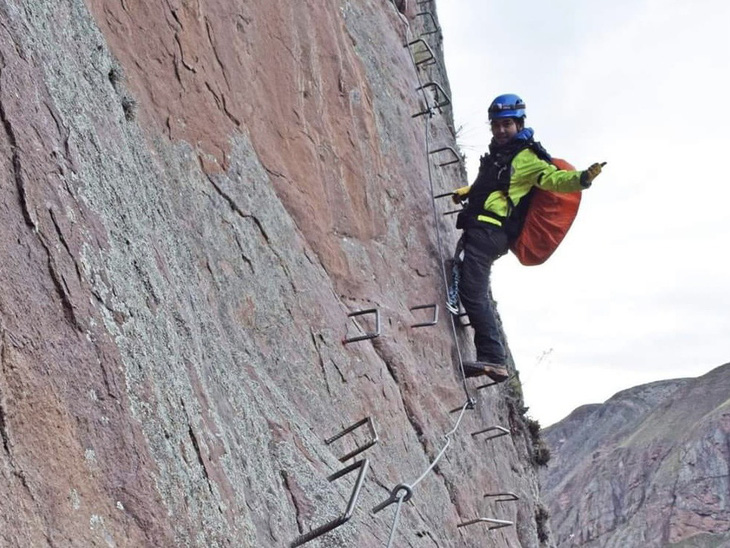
373	437
501	431
394	497
366	336
471	403
363	465
435	319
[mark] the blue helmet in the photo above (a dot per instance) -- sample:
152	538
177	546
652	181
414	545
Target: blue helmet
508	105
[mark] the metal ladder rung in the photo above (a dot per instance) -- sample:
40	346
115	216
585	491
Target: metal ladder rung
430	57
436	27
439	104
498	523
373	437
453	152
363	465
366	336
502	431
435	319
510	497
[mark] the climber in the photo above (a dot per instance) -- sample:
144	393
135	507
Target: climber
514	164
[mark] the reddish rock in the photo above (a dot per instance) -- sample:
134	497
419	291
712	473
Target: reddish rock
195	195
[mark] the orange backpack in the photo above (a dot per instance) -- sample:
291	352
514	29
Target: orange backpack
549	217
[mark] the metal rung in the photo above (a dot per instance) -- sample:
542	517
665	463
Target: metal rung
435	315
502	431
509	497
454	211
366	336
436	27
481	387
437	196
498	523
442	103
456	159
373	437
430	58
363	465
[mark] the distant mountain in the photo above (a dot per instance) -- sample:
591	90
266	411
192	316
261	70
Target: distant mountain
647	468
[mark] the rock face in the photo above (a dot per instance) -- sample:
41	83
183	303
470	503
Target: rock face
649	467
195	195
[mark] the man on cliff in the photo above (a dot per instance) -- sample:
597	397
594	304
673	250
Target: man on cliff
514	165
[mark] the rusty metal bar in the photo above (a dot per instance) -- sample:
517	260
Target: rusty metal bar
480	387
498	523
510	496
373	437
363	465
456	160
502	431
436	27
439	104
366	336
430	58
435	315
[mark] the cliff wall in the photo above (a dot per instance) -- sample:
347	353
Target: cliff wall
195	195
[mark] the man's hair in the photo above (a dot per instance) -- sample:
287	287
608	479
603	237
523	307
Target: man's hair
519	122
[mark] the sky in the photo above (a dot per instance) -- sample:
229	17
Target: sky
639	290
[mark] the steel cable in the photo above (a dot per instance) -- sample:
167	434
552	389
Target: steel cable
403	492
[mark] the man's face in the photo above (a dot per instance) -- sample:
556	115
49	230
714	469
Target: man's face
503	129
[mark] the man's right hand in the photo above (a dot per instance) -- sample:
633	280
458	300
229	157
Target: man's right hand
460	194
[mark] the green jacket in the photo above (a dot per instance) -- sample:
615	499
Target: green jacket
488	196
527	170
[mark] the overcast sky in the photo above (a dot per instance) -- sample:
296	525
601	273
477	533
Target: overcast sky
639	289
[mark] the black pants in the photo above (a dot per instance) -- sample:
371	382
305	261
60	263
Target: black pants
482	246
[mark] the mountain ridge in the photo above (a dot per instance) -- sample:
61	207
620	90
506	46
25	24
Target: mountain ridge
645	468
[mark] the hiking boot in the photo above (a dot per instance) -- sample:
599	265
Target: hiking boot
496	372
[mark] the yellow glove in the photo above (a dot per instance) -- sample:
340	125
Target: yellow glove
586	178
460	194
